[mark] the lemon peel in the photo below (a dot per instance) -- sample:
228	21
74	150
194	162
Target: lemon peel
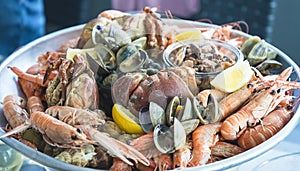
126	120
233	78
195	34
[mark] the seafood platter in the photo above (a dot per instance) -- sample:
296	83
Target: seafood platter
146	91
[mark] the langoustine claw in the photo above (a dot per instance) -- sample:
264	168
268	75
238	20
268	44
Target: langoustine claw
116	148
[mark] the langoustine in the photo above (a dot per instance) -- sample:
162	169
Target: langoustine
204	137
270	125
259	106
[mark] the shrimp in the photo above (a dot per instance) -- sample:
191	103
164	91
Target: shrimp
54	131
34	104
151	167
145	144
14	110
259	106
76	116
225	149
203	95
204	137
163	162
34	78
182	157
225	33
271	124
119	164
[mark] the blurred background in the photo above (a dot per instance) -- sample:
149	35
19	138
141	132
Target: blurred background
273	20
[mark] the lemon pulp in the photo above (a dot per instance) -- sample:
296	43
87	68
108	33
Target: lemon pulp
126	120
233	78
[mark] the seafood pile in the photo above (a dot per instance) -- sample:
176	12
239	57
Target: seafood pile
71	96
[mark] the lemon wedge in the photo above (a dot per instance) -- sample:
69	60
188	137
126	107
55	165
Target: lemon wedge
233	78
195	34
72	52
126	120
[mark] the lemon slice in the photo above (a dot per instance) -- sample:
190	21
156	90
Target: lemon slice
196	34
72	52
126	120
233	78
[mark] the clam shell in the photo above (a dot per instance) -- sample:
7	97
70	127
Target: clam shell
145	120
157	114
133	62
164	139
172	110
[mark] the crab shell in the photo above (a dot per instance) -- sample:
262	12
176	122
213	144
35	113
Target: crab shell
134	90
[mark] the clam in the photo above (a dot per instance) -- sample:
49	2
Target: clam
133	62
258	53
180	55
157	114
151	116
208	114
130	49
89	31
249	44
110	35
173	109
188	112
190	125
101	60
268	65
179	134
145	120
168	139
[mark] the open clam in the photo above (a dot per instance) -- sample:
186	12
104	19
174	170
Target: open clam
151	116
110	35
130	49
268	65
173	109
260	55
145	120
208	114
102	60
168	139
133	62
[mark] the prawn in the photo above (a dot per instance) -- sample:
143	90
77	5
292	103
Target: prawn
54	131
204	137
114	147
76	116
259	106
182	157
34	104
271	124
14	110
